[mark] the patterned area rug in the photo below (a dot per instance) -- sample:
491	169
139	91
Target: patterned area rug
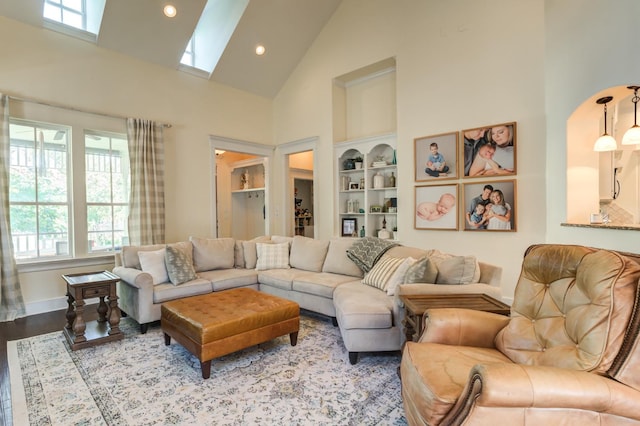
140	381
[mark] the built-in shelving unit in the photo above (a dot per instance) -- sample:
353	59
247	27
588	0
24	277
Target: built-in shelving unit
369	205
248	218
364	127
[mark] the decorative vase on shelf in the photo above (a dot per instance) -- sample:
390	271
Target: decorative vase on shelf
378	181
362	232
392	180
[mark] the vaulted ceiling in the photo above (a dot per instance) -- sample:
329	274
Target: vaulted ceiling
138	28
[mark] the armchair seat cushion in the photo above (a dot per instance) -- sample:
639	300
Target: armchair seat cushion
434	375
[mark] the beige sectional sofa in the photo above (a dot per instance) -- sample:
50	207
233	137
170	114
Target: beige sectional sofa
317	274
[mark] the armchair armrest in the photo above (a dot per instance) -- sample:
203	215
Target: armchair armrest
134	277
531	387
462	327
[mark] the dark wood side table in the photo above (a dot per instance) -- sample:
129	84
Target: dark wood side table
79	333
416	305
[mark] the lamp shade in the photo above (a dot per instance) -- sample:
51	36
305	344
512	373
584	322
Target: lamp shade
632	136
605	143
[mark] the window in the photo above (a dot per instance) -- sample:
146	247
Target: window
49	216
67	12
188	57
107	189
77	18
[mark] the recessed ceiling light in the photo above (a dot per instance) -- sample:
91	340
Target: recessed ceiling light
170	10
260	50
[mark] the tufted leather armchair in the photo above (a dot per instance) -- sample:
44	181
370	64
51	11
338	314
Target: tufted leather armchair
569	354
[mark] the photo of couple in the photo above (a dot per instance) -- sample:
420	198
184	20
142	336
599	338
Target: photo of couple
490	150
490	206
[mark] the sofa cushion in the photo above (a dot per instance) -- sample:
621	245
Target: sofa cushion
458	270
320	284
281	239
153	262
213	253
279	278
382	271
223	279
168	291
250	252
130	257
362	306
238	254
308	254
179	264
272	256
422	271
337	260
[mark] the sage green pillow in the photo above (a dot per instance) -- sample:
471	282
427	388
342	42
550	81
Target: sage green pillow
179	265
422	271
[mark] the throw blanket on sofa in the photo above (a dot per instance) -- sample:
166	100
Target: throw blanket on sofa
368	250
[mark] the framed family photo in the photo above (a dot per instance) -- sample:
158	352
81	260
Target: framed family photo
436	207
436	157
490	206
490	150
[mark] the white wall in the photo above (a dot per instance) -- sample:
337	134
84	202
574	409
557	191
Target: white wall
460	65
44	65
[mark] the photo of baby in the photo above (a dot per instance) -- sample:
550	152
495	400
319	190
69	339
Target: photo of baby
436	207
490	150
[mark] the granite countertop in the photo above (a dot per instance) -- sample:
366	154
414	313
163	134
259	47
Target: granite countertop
624	227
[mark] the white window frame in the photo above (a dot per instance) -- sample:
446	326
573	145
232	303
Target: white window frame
79	122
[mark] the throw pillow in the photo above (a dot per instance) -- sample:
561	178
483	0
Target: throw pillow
307	253
179	265
458	270
272	256
382	271
250	254
422	271
213	253
398	276
337	260
153	263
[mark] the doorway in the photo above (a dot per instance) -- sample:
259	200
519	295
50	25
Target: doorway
240	183
301	206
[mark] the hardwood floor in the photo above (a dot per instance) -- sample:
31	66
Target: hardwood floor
19	329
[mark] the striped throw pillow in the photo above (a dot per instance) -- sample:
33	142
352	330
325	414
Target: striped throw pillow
382	271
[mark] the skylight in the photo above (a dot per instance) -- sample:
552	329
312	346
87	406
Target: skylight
79	18
215	27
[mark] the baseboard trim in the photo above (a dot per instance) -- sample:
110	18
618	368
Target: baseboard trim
48	305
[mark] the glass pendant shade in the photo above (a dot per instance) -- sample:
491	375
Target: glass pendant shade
632	136
605	143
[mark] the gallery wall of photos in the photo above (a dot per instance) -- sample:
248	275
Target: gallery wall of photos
465	180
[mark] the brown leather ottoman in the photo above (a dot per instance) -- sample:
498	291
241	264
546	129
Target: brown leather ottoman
217	324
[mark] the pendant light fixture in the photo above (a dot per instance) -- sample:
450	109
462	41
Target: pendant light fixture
632	136
605	142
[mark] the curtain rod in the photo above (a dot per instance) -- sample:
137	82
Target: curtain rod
52	105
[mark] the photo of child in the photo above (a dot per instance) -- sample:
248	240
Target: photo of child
436	207
436	157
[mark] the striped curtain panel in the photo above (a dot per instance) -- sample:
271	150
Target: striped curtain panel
11	302
146	201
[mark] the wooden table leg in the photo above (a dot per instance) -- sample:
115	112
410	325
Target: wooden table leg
71	313
114	315
79	325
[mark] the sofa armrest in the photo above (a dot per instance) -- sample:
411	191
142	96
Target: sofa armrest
134	277
530	387
462	327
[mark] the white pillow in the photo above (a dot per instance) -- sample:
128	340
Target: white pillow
272	256
382	271
152	262
398	277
